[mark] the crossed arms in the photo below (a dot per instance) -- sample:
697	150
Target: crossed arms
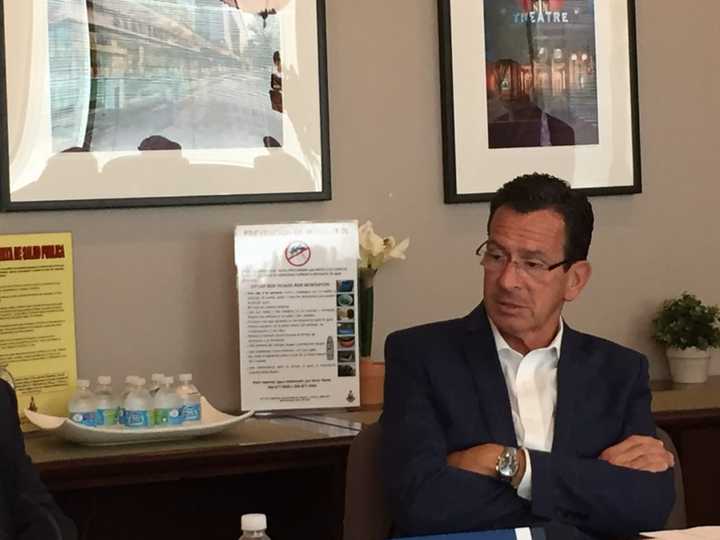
433	488
638	452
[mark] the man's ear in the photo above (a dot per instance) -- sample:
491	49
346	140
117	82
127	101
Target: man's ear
578	276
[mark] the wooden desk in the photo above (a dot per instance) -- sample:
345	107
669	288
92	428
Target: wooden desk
690	413
292	470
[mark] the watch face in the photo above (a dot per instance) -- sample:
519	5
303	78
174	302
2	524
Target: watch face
507	463
506	468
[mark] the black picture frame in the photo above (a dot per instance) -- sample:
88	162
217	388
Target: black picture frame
473	171
299	170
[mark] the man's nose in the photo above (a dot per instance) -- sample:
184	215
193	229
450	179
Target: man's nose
510	277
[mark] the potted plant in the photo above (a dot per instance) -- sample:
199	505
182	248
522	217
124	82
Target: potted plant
375	251
688	330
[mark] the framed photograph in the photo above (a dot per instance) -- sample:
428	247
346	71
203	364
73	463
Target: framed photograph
120	103
538	86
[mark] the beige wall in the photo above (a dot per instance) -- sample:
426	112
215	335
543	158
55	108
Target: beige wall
155	287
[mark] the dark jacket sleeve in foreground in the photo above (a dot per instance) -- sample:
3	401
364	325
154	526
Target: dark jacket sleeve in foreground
28	511
594	495
425	494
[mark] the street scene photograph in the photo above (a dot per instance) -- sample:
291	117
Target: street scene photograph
163	75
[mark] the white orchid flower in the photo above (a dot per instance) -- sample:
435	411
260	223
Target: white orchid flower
371	246
369	240
375	250
397	251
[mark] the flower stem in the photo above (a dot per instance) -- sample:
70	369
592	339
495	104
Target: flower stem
366	300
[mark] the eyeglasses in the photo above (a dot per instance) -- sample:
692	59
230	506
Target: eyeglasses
495	260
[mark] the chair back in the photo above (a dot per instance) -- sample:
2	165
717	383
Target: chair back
678	517
366	512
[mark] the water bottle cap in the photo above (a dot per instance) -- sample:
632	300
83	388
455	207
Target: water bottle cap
253	522
140	381
83	383
130	379
105	379
187	377
169	380
157	377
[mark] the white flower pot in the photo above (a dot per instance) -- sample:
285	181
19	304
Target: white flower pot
688	365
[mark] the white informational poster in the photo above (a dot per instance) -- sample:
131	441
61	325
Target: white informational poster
297	294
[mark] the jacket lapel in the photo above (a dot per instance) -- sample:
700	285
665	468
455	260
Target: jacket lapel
569	387
482	360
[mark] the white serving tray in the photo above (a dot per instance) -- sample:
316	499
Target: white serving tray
213	421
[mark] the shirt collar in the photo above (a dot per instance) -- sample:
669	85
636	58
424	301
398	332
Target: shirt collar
502	345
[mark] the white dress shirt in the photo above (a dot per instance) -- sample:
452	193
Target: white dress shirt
532	387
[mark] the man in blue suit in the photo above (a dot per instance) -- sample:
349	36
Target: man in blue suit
508	417
27	510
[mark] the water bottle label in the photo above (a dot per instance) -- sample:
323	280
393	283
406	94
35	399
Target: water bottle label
106	417
137	418
169	417
84	418
121	416
191	412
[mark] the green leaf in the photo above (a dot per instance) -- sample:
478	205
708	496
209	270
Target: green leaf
686	322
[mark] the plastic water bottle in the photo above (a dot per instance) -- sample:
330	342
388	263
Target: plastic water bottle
254	526
168	405
81	407
190	398
157	381
106	405
129	385
138	406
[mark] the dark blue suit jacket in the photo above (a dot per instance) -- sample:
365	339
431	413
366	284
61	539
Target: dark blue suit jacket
27	511
445	391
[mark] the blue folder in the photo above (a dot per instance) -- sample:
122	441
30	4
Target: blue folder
499	534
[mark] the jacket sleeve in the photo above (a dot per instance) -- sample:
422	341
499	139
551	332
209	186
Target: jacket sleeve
425	494
594	495
34	511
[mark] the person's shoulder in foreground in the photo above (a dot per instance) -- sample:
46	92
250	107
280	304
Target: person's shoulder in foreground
508	417
27	510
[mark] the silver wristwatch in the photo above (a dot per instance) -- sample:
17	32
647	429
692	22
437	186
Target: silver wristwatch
507	464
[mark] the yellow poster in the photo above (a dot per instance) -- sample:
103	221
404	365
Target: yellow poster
37	319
